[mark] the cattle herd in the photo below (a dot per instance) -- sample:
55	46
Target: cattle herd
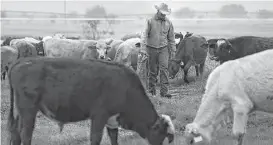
71	80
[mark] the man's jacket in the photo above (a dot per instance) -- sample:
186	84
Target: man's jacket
159	33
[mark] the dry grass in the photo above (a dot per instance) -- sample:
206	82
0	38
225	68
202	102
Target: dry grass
182	107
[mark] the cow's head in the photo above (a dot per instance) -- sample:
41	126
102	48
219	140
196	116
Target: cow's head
6	42
93	53
194	135
40	48
162	128
102	49
173	67
220	49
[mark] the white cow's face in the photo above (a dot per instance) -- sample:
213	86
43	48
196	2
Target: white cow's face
102	48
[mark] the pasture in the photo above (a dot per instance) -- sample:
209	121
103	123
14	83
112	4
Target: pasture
182	107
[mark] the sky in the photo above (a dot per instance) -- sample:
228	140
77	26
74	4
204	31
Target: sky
128	6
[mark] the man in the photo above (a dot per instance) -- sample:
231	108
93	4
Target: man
158	38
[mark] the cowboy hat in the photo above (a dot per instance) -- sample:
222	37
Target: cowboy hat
163	8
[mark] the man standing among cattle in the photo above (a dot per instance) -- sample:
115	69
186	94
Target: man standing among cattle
158	35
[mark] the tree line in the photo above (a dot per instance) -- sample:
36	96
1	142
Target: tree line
226	11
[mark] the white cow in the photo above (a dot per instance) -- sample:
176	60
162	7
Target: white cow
234	89
127	52
82	49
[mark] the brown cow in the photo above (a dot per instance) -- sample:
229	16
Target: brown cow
192	51
51	86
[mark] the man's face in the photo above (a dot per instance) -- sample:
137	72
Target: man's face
161	15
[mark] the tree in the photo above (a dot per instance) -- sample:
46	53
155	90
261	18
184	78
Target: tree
232	11
264	14
184	12
95	12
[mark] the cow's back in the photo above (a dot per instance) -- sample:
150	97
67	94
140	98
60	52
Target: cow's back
76	86
25	49
64	48
246	45
193	48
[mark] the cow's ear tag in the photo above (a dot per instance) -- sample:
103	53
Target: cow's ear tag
182	63
198	139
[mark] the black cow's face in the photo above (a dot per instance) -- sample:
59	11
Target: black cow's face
173	68
40	48
158	133
219	49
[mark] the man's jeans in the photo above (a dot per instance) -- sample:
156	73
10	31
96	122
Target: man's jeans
158	62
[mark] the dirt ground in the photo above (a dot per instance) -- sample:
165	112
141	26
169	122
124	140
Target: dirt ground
182	108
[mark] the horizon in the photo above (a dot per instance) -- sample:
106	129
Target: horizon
126	7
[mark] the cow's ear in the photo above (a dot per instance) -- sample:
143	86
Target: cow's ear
137	44
108	47
205	45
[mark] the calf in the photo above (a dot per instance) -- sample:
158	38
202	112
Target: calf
71	90
237	87
223	50
192	51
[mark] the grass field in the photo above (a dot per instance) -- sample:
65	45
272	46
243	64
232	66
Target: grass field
182	107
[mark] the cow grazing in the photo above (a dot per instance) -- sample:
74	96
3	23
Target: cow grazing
8	56
223	50
49	85
127	52
235	88
192	51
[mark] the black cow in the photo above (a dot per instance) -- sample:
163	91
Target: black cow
72	90
191	51
223	50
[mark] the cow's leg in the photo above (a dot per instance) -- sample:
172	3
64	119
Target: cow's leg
202	70
196	70
3	76
186	69
97	125
240	110
27	120
15	138
113	134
